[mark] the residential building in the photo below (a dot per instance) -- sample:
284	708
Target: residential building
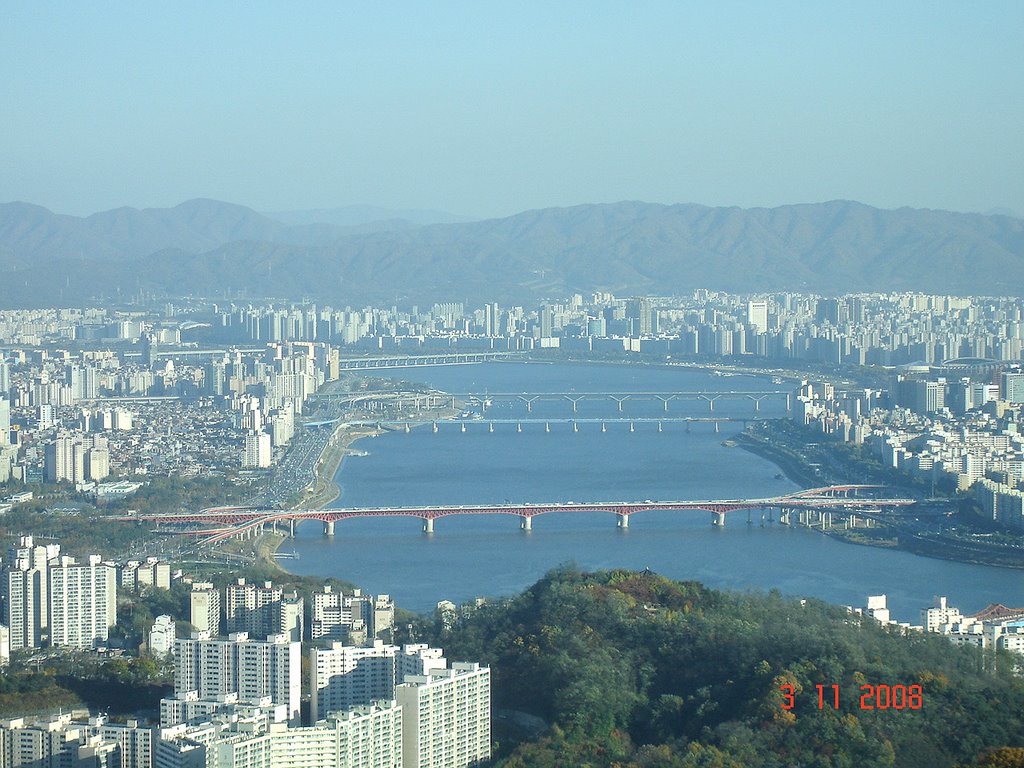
209	669
345	676
204	607
446	717
83	601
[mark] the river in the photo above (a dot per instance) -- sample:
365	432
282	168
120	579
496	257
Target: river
470	556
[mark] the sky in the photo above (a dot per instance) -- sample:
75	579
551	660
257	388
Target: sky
486	109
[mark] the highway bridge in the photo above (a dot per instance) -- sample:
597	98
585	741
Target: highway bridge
417	361
241	522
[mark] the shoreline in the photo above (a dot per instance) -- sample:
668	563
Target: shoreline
325	489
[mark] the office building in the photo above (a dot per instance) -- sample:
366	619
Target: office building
1012	386
757	316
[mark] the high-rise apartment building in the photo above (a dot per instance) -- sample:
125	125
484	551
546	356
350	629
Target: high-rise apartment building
252	608
446	717
258	451
344	676
5	421
22	606
204	607
211	669
24	590
340	616
83	601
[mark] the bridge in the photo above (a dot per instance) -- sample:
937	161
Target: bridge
242	522
486	399
417	361
463	425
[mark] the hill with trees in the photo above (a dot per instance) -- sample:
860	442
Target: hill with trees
633	670
215	249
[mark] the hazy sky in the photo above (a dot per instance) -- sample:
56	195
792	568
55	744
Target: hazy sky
489	108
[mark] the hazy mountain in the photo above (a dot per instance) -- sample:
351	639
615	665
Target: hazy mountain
209	248
364	215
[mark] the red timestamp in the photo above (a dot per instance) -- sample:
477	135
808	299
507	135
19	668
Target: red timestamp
871	697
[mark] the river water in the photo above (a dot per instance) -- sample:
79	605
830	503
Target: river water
469	556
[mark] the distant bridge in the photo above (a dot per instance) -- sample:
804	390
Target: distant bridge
464	424
529	398
417	361
248	521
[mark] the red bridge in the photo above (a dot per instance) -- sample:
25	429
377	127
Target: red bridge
243	521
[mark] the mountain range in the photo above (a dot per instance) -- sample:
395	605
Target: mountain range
362	254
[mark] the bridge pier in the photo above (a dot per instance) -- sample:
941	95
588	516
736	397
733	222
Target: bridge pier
527	523
623	521
428	525
719	520
329	528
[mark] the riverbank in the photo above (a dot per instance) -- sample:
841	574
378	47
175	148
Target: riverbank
887	536
325	489
804	476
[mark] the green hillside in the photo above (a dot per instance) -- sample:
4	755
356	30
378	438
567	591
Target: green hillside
631	669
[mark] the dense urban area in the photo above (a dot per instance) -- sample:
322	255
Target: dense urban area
139	644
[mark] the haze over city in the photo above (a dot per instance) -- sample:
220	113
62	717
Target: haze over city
477	385
485	111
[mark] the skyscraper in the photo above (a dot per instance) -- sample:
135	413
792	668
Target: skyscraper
757	316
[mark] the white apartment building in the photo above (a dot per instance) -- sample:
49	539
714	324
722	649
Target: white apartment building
208	669
252	608
83	601
345	676
258	452
204	607
446	717
364	737
340	616
161	637
939	614
22	606
62	741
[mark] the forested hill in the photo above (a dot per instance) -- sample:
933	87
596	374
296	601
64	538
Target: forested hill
215	249
637	671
